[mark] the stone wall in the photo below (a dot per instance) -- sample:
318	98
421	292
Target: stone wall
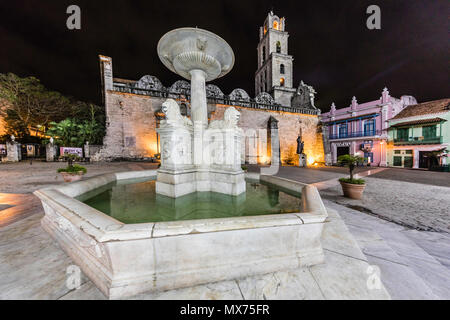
131	124
131	128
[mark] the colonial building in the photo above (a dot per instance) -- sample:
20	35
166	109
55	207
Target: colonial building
419	136
133	107
361	128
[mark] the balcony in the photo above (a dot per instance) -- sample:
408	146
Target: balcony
417	140
355	134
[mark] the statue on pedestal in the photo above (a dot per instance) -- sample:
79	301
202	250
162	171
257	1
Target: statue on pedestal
301	155
300	145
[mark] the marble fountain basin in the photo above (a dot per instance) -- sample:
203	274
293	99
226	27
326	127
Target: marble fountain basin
124	259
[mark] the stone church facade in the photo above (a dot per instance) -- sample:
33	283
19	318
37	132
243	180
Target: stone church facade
133	108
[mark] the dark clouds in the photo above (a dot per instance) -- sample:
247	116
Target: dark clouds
332	48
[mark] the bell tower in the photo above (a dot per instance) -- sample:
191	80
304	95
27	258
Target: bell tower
274	72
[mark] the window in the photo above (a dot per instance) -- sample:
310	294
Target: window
408	151
282	68
408	162
275	25
263	53
403	134
282	82
397	151
343	130
278	47
369	127
429	132
398	161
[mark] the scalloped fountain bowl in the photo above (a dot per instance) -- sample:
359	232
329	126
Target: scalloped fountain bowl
185	49
124	255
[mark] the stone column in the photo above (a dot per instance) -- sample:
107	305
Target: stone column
86	150
416	158
326	145
274	141
50	152
13	150
383	155
199	111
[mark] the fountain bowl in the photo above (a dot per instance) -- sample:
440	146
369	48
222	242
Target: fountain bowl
185	49
128	259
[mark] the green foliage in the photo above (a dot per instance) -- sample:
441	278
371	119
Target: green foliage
352	181
245	168
72	133
73	169
350	161
26	104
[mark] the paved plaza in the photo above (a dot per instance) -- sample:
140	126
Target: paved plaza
399	226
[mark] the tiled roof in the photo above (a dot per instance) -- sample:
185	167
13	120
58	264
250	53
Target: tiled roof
435	106
421	121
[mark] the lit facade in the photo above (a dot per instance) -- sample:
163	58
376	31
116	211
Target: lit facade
361	128
419	136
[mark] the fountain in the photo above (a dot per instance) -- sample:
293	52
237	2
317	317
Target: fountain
196	224
195	156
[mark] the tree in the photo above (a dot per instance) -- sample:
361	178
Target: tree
30	104
25	104
72	133
350	161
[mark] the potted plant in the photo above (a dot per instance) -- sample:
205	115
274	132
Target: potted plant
73	172
352	188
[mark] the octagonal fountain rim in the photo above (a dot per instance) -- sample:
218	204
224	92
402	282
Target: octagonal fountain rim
168	55
104	228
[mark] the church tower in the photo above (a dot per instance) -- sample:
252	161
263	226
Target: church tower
274	73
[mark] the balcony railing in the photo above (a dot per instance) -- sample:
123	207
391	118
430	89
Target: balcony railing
355	134
418	140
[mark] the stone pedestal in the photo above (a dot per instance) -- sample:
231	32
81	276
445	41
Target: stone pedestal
86	150
328	159
50	152
302	160
219	161
274	141
14	153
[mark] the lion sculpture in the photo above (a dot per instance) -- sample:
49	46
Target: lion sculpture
171	110
230	120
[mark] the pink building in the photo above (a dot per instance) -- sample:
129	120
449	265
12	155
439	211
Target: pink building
361	128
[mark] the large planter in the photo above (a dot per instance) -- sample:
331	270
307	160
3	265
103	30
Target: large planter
72	176
352	190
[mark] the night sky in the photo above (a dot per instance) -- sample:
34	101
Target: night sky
333	49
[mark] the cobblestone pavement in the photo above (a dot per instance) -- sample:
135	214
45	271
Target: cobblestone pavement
416	176
25	178
312	175
415	199
414	205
